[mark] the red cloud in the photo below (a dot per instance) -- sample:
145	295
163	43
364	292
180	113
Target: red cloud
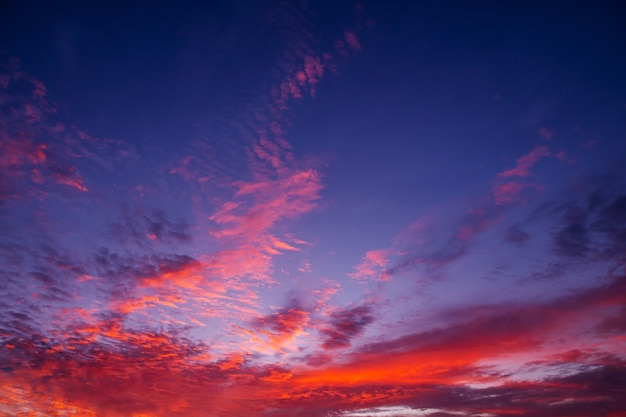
144	370
282	327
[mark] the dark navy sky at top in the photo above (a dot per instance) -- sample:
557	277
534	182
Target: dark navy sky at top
144	57
453	88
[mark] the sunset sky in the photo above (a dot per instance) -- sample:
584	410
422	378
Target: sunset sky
279	208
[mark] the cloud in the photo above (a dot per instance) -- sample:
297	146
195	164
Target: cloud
432	246
516	235
398	411
346	325
145	227
611	222
526	162
246	222
430	371
590	224
437	243
109	324
68	175
37	150
510	183
341	49
509	192
170	317
546	133
117	267
373	265
282	327
454	352
352	41
572	239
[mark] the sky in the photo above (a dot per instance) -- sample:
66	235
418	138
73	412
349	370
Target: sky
279	208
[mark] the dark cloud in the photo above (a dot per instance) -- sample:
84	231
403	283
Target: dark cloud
12	254
593	226
141	227
37	280
117	267
433	257
589	225
584	227
611	221
590	393
572	238
317	360
450	244
488	331
124	273
284	321
615	324
516	235
345	325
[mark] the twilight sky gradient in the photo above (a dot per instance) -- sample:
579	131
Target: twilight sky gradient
313	208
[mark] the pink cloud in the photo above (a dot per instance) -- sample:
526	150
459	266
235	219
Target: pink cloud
271	201
373	265
39	89
268	151
5	80
247	221
565	156
341	49
546	134
294	88
479	221
352	41
526	162
509	192
36	149
18	152
302	78
314	69
70	177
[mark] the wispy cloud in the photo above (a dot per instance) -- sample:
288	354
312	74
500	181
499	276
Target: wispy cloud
526	162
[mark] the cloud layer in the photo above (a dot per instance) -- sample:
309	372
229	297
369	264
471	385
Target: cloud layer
225	273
